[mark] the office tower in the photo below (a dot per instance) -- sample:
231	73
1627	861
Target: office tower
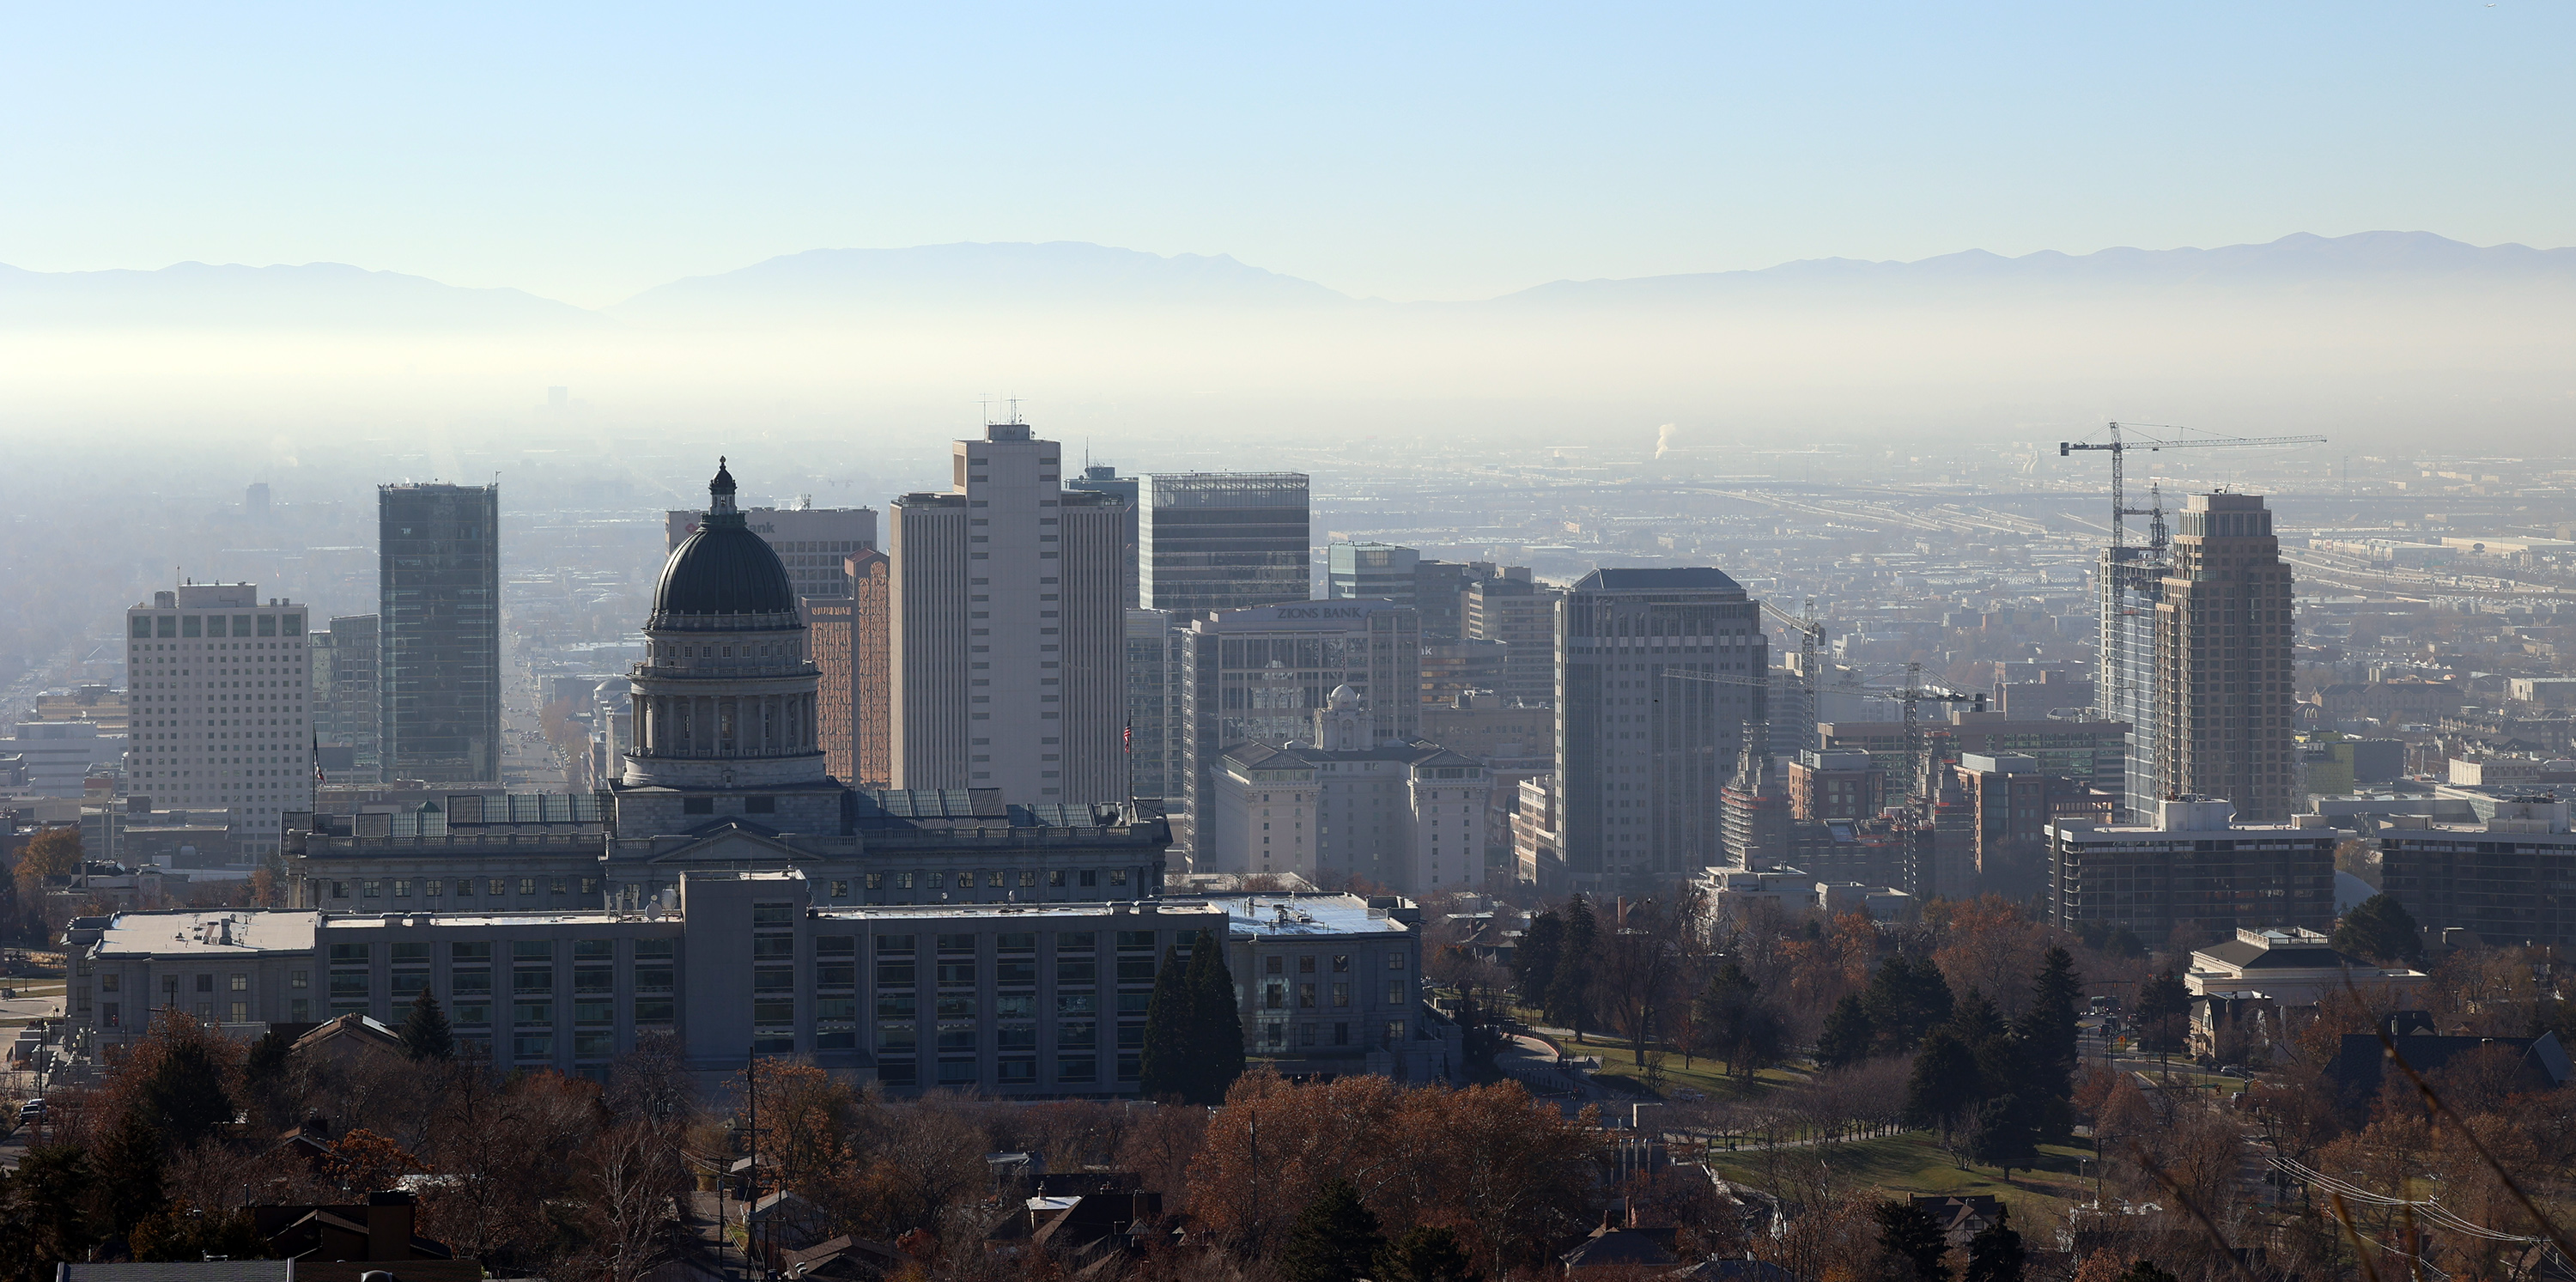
1221	541
810	541
2224	650
2014	800
1104	479
1379	570
1153	703
1439	592
1641	749
2192	866
1262	674
1453	668
2091	752
348	709
439	594
851	662
222	714
2503	876
1522	615
2130	583
1006	641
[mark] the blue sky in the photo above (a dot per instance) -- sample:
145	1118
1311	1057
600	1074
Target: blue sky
1419	151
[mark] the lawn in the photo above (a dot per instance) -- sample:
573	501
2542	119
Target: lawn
1706	1076
1915	1163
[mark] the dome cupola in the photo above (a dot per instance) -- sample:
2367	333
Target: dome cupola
723	576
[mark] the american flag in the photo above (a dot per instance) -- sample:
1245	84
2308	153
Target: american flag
1127	739
318	776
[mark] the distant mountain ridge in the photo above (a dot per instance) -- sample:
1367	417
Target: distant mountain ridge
304	296
969	276
818	287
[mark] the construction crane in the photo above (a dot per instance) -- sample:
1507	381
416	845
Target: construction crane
1811	645
2118	448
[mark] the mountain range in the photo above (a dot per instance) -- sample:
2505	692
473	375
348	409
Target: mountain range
820	287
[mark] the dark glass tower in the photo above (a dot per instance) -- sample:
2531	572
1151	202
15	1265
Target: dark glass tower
1222	541
439	588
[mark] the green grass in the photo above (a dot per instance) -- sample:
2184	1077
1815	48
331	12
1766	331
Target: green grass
1915	1163
1704	1075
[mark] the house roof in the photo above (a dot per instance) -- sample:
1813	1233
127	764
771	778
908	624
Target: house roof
1619	1246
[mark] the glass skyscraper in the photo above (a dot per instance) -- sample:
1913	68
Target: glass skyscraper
1222	541
439	593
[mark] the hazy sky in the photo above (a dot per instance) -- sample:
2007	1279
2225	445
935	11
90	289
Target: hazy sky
1404	151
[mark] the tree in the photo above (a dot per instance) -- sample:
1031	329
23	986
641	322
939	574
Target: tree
42	1212
1634	979
1909	1233
51	853
2161	1003
1536	958
1743	1029
191	1234
133	1173
1905	1000
182	1094
1975	1020
1569	994
1945	1081
2145	1270
1846	1037
2007	1134
424	1031
1170	1018
1995	1254
1335	1239
1426	1254
1217	1041
2381	930
2056	1002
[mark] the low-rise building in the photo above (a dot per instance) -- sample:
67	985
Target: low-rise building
2265	974
1409	815
1019	1000
2510	879
2193	868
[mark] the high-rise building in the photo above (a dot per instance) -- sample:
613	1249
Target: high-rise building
1007	641
1522	615
852	672
1153	703
222	715
2224	653
348	709
810	541
1380	570
2129	584
1100	478
1222	541
1263	673
439	608
1642	749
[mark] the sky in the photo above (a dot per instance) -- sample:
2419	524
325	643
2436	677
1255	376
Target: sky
1408	152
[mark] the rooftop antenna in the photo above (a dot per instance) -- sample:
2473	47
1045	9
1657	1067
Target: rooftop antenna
1014	403
986	405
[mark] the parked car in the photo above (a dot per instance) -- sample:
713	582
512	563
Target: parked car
32	1111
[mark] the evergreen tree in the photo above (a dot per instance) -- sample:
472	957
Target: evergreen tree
184	1098
2123	944
1426	1255
186	1234
1846	1036
266	1064
1536	958
2161	1004
1216	1024
1171	1015
1995	1254
2380	930
424	1031
1905	1000
2049	1027
1945	1081
2007	1134
1975	1020
42	1212
133	1169
1909	1233
1335	1239
1569	994
2144	1270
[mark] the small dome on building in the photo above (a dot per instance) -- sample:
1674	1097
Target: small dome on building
1343	698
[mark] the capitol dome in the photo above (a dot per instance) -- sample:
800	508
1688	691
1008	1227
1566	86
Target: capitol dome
723	575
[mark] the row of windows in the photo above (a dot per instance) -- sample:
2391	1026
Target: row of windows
150	626
434	887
